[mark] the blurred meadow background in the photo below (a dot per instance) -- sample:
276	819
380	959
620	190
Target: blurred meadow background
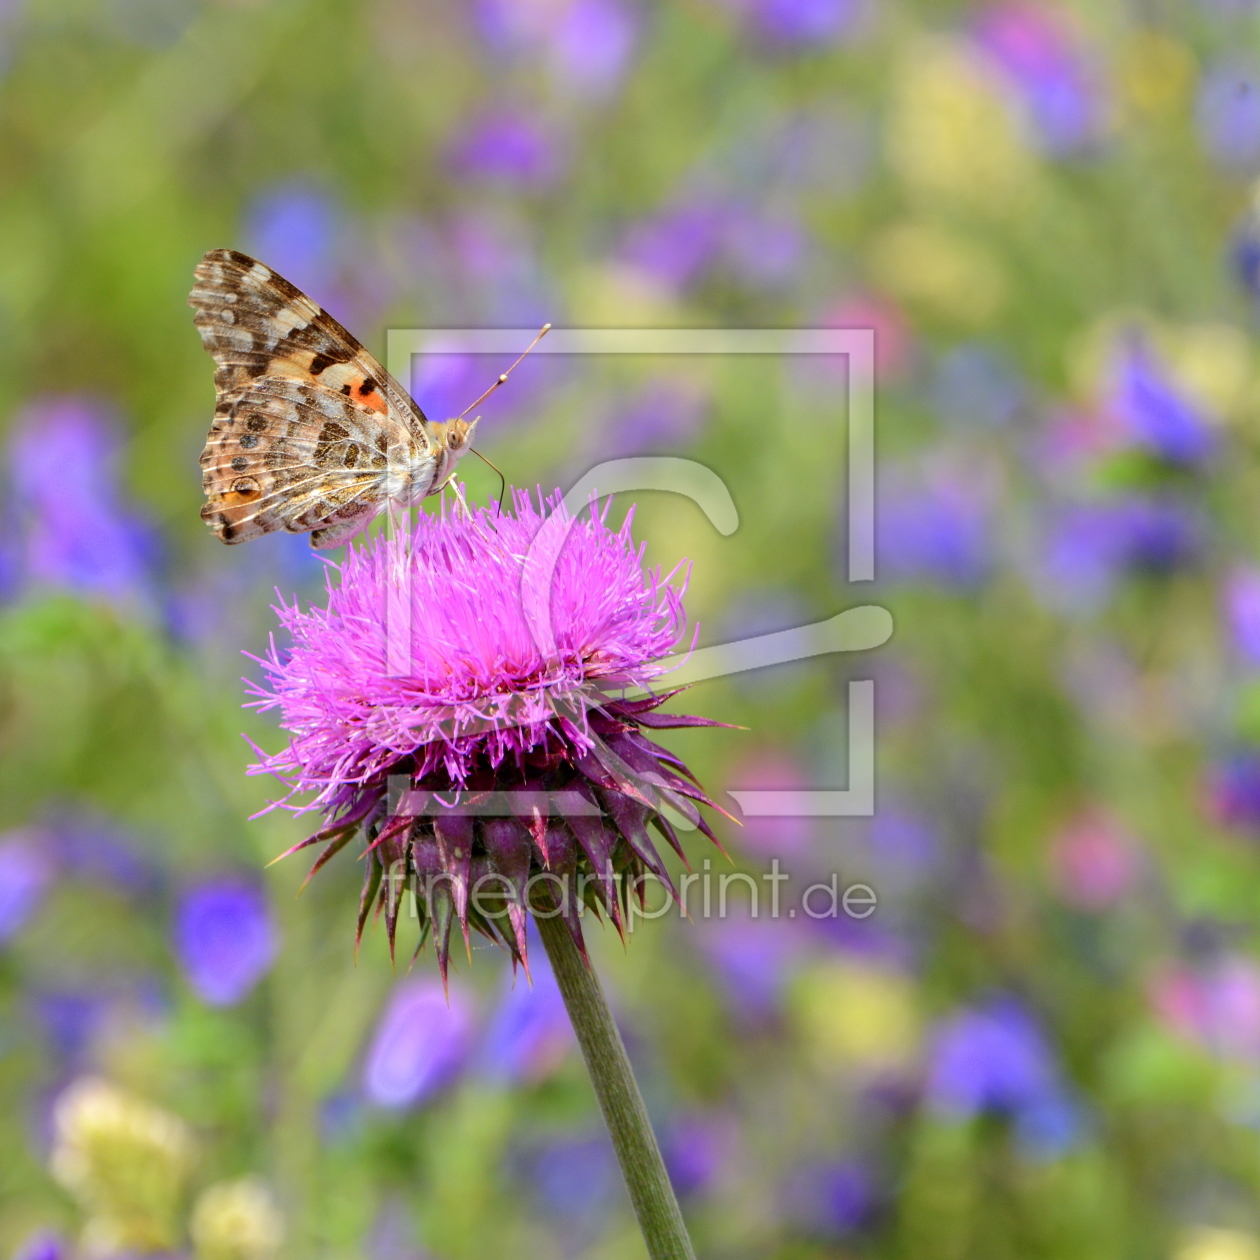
1045	1042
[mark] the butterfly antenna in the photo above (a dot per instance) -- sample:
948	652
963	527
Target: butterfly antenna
502	479
546	328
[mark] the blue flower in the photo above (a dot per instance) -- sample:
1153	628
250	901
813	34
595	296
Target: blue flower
933	527
1154	413
693	1148
576	1178
994	1058
530	1032
505	148
805	21
24	872
1044	65
1086	548
591	47
43	1245
834	1197
1228	114
293	228
1233	791
224	939
677	244
1241	598
75	532
420	1044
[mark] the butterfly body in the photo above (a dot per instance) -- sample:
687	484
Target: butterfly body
310	433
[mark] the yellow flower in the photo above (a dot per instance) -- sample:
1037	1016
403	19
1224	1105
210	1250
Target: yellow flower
126	1161
236	1220
1212	363
949	276
953	134
851	1016
1218	1244
1156	73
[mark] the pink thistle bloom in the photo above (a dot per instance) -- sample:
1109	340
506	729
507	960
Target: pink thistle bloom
460	702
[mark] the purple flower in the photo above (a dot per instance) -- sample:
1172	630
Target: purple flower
934	527
1030	44
24	872
476	655
75	532
576	1178
420	1044
662	416
224	939
831	1198
1241	599
1228	114
1233	792
905	848
1087	547
764	250
805	21
505	148
990	1058
591	46
530	1033
1216	1004
294	229
1154	413
753	958
96	851
70	1019
675	246
1244	258
693	1148
586	44
43	1245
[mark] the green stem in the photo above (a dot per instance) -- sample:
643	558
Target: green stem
619	1099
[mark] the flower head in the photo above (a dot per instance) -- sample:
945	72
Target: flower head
126	1161
225	940
462	700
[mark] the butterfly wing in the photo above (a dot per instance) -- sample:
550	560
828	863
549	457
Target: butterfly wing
309	429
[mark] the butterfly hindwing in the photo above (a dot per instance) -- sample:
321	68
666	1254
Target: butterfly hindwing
289	454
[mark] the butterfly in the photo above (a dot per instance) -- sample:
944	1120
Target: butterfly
310	432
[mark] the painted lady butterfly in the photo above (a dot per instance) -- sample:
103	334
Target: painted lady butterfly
310	432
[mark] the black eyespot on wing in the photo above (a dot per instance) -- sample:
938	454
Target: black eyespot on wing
240	463
369	386
256	423
249	441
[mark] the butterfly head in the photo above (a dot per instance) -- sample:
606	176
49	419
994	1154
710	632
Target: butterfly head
451	439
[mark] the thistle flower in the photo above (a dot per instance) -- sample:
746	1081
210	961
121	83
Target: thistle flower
461	702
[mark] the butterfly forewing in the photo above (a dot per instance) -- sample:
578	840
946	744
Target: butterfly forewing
309	430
